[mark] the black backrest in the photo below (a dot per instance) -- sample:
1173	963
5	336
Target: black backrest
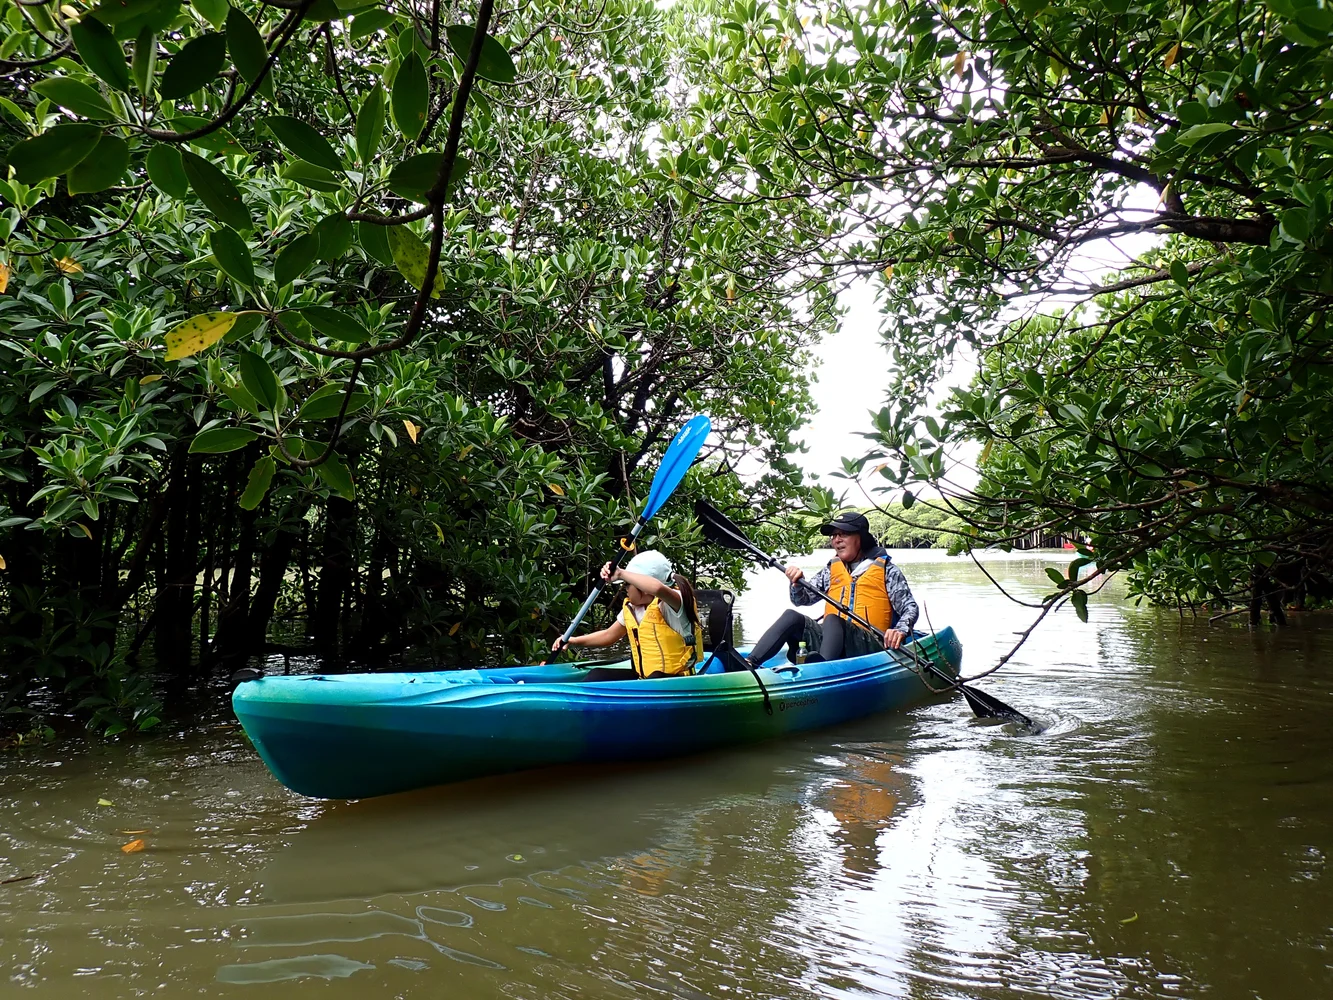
715	615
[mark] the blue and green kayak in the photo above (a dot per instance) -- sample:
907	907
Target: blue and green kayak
357	735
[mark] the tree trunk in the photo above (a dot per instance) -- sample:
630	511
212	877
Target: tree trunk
335	574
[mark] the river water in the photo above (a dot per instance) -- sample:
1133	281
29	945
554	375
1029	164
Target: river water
1167	836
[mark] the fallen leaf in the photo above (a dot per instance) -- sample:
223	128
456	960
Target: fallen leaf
5	272
17	878
1130	920
133	833
68	265
412	430
104	802
134	846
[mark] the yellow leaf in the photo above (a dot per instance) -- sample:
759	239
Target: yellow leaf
5	272
69	11
457	626
1171	56
959	61
888	271
1105	119
84	528
464	453
412	430
439	532
1130	920
134	846
150	379
104	802
68	266
3	565
410	256
198	333
556	488
133	833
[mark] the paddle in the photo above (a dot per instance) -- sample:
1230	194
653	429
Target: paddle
718	528
680	455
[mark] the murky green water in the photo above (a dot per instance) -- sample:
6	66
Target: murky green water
1167	837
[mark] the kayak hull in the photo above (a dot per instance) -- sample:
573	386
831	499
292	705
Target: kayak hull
360	735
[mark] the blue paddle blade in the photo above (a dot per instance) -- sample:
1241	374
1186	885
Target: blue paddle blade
676	462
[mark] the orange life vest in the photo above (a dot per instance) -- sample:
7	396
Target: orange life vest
862	590
655	646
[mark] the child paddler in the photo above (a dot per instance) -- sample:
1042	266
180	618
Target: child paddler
659	617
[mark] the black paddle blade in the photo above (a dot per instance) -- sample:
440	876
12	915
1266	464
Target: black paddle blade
986	706
718	529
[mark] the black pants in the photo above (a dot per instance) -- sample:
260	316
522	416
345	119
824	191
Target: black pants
833	637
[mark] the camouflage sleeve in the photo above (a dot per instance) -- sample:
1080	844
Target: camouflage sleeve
900	595
800	596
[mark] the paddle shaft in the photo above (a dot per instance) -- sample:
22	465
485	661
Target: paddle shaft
616	560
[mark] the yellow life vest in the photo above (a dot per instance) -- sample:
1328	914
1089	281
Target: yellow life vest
862	590
655	646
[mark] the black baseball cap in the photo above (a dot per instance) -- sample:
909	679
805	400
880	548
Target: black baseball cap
850	522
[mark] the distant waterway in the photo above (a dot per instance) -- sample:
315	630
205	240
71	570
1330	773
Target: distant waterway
1166	836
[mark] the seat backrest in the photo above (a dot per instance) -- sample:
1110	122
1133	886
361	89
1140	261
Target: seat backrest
715	607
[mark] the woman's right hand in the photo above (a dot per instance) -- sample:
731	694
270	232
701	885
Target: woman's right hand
795	574
559	644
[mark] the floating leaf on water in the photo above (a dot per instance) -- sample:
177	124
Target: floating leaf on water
133	833
104	802
134	846
1130	920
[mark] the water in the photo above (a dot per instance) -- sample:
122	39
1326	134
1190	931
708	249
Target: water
1167	836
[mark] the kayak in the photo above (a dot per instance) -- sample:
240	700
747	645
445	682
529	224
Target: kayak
348	736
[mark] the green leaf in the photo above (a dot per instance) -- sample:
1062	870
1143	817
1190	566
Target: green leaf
261	476
259	380
1196	133
232	255
216	191
909	498
370	125
218	440
53	152
337	477
1079	599
311	176
370	22
166	171
197	333
1056	576
128	18
415	176
375	242
410	256
1180	273
100	52
217	141
410	97
494	64
214	11
144	62
304	141
326	402
336	324
295	258
249	54
194	66
74	96
323	10
335	236
101	168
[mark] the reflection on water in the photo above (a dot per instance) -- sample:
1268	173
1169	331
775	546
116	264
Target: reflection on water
1167	836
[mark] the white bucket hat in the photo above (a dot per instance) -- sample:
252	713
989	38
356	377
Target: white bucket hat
652	564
